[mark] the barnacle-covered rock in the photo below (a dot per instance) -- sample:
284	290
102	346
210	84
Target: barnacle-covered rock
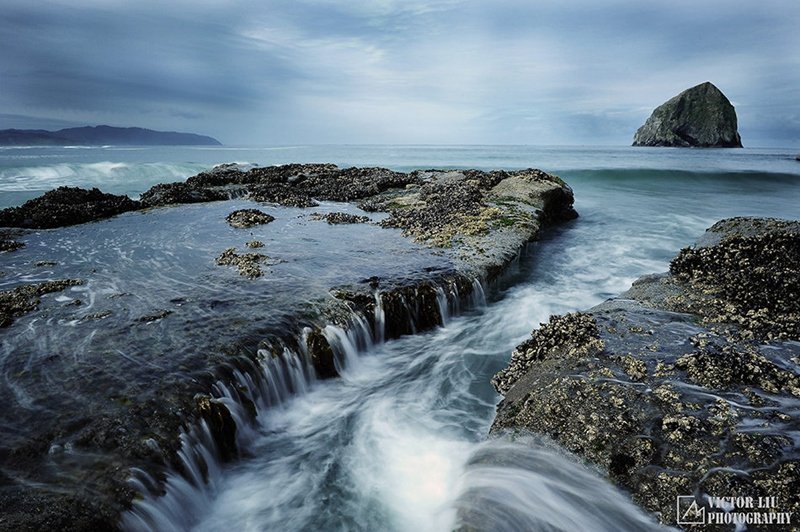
686	384
245	218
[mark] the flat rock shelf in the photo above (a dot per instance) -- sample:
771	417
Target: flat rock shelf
127	339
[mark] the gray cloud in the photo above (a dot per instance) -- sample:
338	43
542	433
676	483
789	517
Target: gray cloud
405	71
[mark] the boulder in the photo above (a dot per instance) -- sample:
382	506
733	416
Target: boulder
699	117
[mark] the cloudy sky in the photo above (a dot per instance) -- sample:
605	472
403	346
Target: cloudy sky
396	71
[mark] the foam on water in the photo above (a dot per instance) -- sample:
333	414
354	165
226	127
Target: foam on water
23	181
399	443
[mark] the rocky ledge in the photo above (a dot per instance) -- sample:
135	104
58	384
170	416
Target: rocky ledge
687	384
474	223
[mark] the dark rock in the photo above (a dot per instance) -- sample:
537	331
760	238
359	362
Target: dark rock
570	336
141	427
177	193
672	389
36	508
281	194
220	423
699	117
245	218
255	244
149	318
338	218
322	356
7	242
220	175
66	206
22	299
102	315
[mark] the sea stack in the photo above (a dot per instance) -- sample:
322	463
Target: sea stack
700	117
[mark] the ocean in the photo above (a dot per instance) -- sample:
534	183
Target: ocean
399	442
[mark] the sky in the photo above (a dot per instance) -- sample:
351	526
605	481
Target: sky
282	72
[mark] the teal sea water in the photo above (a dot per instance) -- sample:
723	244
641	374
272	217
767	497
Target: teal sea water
399	442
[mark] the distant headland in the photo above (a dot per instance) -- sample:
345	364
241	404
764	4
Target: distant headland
102	135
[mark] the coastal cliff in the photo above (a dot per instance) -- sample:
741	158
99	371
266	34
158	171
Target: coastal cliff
699	117
685	386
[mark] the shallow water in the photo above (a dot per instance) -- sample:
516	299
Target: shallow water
399	442
139	264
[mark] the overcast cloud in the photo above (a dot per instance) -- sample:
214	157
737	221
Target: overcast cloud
397	71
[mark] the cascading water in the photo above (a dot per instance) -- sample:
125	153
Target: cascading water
396	443
399	442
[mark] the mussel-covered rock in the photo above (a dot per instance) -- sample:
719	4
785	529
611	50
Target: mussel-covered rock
688	384
245	218
66	206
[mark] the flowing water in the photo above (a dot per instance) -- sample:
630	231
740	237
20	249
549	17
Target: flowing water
399	442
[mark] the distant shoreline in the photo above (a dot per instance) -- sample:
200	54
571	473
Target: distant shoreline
102	136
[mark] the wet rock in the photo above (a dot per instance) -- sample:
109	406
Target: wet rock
450	204
255	244
10	245
698	117
66	206
220	175
281	194
338	218
136	429
32	508
177	193
7	242
101	315
245	218
749	276
667	395
220	423
23	299
148	318
322	356
569	336
247	263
